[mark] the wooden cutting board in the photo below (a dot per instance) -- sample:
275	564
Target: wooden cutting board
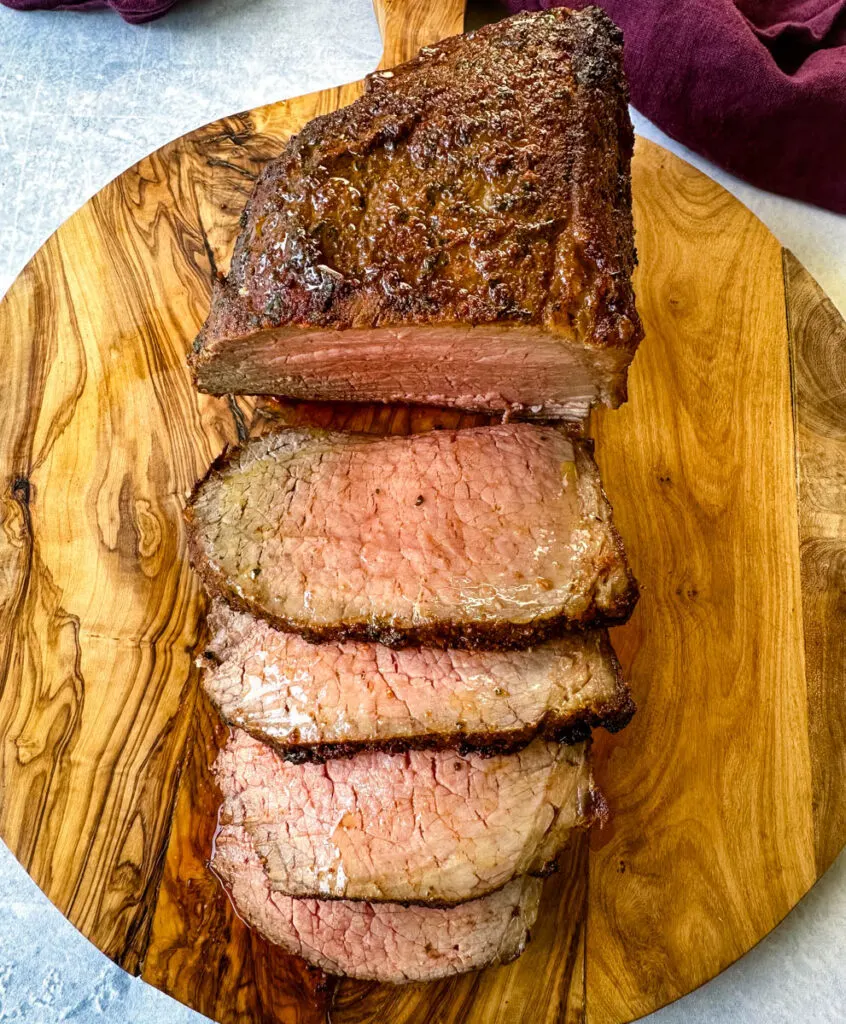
727	470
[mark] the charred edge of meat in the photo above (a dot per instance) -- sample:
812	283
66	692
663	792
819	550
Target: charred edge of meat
472	636
569	729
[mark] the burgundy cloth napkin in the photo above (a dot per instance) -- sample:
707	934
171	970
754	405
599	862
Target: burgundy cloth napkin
757	86
134	11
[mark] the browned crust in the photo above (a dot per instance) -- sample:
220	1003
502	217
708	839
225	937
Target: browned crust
467	636
573	727
580	162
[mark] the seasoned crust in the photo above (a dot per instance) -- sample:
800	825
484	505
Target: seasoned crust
484	182
573	727
481	635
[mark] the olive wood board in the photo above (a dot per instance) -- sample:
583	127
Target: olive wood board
727	472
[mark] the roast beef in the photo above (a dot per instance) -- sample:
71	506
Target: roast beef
493	536
313	701
420	827
461	235
381	941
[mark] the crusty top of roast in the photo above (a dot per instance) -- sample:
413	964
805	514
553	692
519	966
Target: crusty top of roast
487	180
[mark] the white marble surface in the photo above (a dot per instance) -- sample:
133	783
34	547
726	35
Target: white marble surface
83	97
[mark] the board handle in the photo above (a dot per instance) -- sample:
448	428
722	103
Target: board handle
406	25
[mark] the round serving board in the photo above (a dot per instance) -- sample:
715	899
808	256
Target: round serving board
727	471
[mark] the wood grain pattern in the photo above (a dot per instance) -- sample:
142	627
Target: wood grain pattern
102	612
200	950
406	27
699	467
728	485
818	351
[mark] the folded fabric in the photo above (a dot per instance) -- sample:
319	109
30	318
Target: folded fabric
757	86
134	11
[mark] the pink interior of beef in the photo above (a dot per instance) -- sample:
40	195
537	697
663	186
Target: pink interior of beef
488	367
381	942
423	825
467	525
295	692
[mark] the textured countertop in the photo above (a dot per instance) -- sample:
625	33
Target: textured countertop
83	96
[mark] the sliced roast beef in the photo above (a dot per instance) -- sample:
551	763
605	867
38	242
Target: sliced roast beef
383	941
313	701
424	826
461	235
491	537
